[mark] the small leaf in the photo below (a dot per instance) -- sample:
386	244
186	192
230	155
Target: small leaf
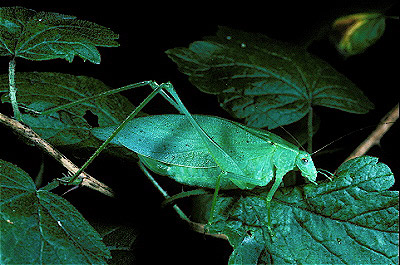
39	227
351	220
42	91
266	82
353	34
119	239
35	35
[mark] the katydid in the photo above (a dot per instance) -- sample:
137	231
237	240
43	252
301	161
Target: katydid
209	152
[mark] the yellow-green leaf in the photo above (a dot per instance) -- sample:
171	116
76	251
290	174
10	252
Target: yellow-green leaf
353	34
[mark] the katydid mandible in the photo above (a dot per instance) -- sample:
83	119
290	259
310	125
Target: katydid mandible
209	152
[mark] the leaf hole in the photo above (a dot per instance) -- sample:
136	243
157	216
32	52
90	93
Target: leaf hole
91	119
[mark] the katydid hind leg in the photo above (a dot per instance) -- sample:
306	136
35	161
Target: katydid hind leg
100	95
133	114
225	162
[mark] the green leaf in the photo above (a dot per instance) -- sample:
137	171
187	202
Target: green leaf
266	82
351	220
119	239
39	227
35	35
41	91
353	34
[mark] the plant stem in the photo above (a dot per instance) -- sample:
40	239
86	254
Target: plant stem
310	130
13	90
374	138
26	132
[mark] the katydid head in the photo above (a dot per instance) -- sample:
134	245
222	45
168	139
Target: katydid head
306	165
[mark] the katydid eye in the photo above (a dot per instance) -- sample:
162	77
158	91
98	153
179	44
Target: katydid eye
305	160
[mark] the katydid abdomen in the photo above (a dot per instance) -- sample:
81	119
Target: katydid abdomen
194	176
169	145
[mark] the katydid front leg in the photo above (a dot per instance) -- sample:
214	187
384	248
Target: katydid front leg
278	180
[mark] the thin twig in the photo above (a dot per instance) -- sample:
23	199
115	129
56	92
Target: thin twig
374	138
28	133
200	228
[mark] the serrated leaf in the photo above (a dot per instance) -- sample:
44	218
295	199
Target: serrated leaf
39	227
41	91
351	220
266	82
119	239
35	35
353	34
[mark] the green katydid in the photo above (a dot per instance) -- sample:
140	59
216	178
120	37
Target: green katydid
209	152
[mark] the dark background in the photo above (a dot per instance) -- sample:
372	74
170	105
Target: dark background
146	30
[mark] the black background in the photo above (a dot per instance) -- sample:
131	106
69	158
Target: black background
146	30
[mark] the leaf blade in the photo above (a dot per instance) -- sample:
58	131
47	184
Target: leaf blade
266	82
351	220
43	90
39	36
355	33
41	227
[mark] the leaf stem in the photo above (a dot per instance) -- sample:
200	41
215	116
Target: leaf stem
310	130
13	90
